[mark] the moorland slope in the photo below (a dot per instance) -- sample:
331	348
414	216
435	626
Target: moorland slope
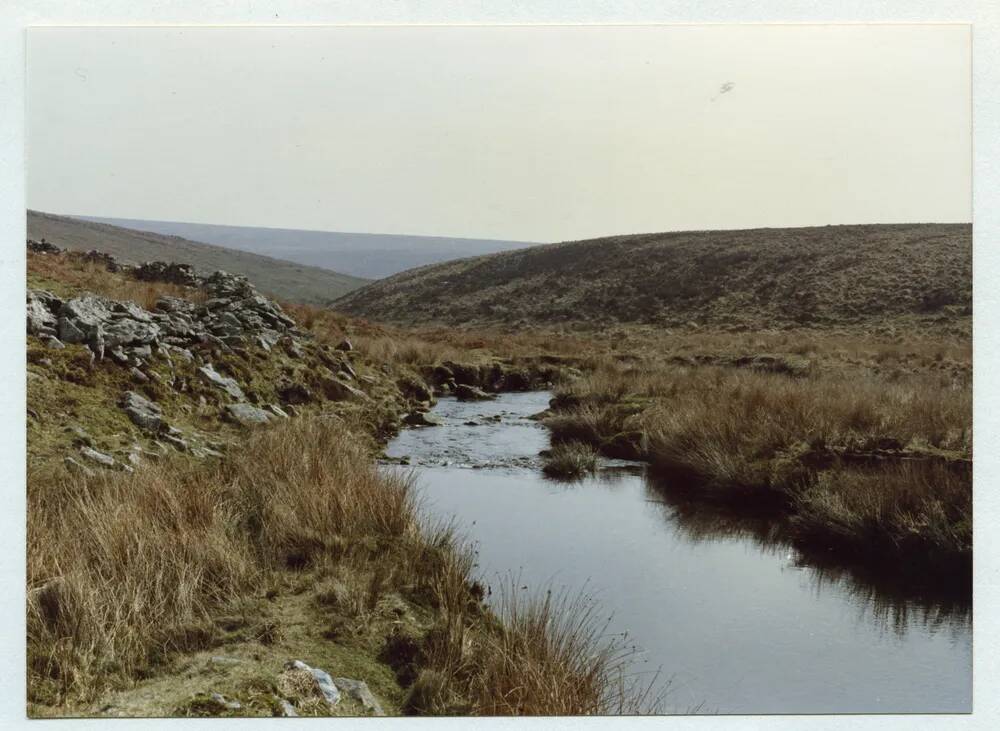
859	275
275	277
367	255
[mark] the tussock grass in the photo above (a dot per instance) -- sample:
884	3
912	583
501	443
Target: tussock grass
913	508
865	462
570	459
552	655
125	569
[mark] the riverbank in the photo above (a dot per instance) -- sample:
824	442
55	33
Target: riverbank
870	464
715	599
294	548
204	507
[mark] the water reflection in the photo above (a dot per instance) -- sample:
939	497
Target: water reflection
894	601
722	602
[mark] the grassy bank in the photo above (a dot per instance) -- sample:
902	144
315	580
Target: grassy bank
129	572
207	567
877	466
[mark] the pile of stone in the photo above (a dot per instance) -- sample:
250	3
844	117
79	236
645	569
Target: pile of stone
235	315
150	271
161	271
43	247
300	681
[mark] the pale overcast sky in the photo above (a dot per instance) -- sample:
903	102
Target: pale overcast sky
539	134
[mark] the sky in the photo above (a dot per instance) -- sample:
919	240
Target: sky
525	133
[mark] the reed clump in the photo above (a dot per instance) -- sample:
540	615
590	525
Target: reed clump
570	460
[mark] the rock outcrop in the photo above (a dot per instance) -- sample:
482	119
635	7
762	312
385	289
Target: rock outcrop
193	345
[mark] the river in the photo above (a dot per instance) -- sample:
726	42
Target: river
734	620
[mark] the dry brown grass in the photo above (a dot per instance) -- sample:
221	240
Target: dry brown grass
552	656
876	463
126	569
911	508
73	274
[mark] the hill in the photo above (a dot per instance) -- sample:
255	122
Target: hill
371	256
275	277
821	276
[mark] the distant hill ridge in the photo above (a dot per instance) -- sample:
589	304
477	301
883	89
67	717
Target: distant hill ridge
830	275
359	254
275	277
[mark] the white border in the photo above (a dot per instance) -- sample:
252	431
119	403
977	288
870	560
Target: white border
15	15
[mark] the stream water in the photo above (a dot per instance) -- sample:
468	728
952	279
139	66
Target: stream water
734	620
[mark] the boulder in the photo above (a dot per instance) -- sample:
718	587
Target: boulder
421	418
40	316
83	315
124	331
213	377
105	460
247	415
359	691
471	393
336	389
320	679
142	412
344	345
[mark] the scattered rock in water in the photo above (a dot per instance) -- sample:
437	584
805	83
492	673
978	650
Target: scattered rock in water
230	386
472	393
247	415
359	691
386	459
421	418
